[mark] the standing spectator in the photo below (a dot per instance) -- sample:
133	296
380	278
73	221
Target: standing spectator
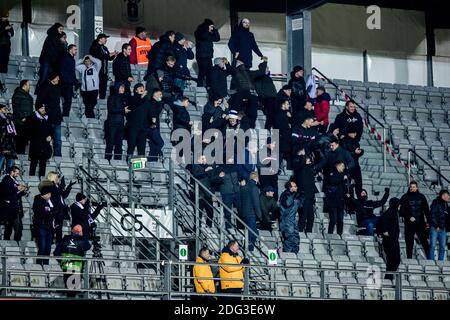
11	192
183	53
349	117
389	228
266	166
114	126
298	85
181	117
50	96
59	196
155	141
100	51
336	190
22	104
89	69
137	121
290	202
305	136
205	36
336	153
439	214
122	69
6	33
267	93
160	51
242	44
213	116
7	139
306	112
322	109
282	122
229	190
269	208
140	48
40	135
250	209
217	78
351	144
304	176
414	209
203	276
51	51
229	257
44	221
82	215
68	77
284	93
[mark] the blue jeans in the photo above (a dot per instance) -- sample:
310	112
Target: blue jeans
369	224
155	143
440	236
9	163
57	142
230	200
45	240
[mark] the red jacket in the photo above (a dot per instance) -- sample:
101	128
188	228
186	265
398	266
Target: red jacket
322	110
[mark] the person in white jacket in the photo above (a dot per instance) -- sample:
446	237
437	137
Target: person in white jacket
89	68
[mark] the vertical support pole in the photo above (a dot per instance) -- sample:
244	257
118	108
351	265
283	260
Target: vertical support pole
246	237
86	279
88	178
172	197
132	206
91	21
26	18
221	227
247	281
384	150
168	279
4	276
108	213
322	284
365	67
398	286
298	30
409	167
197	219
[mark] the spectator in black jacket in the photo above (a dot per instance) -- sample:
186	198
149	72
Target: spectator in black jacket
50	96
217	78
181	117
50	54
365	217
205	36
250	207
122	69
228	182
114	125
160	51
39	131
284	93
351	144
68	77
268	166
350	118
336	190
242	44
137	121
305	136
6	33
282	123
336	153
298	85
388	227
100	51
23	107
155	142
82	215
214	116
415	211
44	213
183	52
11	192
269	208
439	215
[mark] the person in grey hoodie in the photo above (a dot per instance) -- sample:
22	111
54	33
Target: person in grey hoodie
89	69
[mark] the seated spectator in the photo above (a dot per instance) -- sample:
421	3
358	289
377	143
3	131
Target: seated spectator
349	117
7	139
140	48
203	276
89	69
217	78
322	109
270	210
336	190
22	104
439	214
290	202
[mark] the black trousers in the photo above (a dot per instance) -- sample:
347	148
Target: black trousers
270	108
411	229
205	205
392	250
21	140
231	291
42	166
59	231
336	217
16	225
355	173
90	101
136	138
306	217
114	141
103	85
204	66
67	95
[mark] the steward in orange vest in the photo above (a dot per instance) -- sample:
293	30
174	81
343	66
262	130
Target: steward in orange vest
140	47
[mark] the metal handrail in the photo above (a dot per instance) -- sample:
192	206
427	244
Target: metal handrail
427	163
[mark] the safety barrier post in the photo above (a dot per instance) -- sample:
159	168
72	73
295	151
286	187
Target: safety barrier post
409	167
86	284
384	150
247	281
4	276
197	218
167	279
398	286
322	284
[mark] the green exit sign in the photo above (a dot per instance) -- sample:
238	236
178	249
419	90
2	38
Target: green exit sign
137	164
183	252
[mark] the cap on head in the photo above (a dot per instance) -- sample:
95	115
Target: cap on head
233	114
179	36
102	36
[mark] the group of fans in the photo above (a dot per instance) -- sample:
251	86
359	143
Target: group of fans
309	144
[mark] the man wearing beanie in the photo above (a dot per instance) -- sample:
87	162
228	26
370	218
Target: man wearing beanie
81	215
140	47
40	132
205	36
183	52
44	221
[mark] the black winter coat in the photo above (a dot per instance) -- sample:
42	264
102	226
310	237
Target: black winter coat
365	208
282	123
340	154
116	110
230	182
59	195
218	81
9	198
351	145
183	55
43	214
336	189
122	68
304	138
242	79
22	104
67	69
156	108
389	222
249	196
204	41
299	93
50	96
181	118
160	51
53	48
84	218
212	117
72	244
6	35
38	130
414	204
101	52
344	120
263	83
243	41
304	176
439	213
139	116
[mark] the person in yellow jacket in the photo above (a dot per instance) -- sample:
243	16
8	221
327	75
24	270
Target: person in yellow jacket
203	276
232	277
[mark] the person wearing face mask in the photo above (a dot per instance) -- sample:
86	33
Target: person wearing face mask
217	78
203	276
242	44
415	211
155	142
365	216
232	270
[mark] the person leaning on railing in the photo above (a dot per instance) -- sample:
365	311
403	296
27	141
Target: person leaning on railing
203	276
232	277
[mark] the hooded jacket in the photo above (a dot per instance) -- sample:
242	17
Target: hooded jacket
89	75
52	48
231	272
389	221
160	51
439	213
204	40
201	272
243	41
